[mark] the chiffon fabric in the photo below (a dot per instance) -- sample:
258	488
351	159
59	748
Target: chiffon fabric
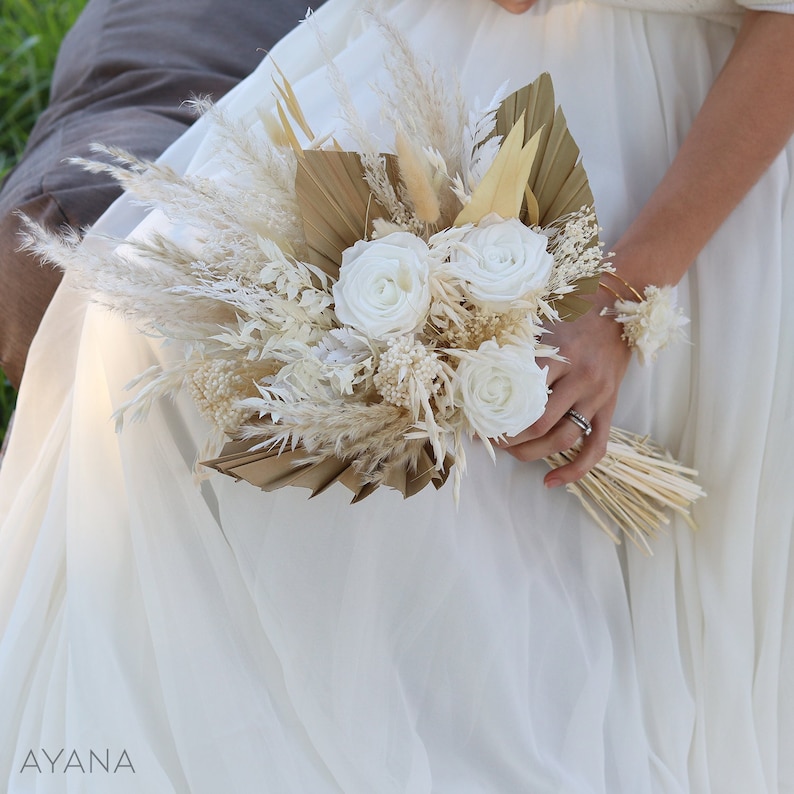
229	640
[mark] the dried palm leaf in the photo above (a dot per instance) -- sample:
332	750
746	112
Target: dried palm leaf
273	468
572	306
557	179
503	188
336	203
557	184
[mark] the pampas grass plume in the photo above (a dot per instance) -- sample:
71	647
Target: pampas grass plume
416	181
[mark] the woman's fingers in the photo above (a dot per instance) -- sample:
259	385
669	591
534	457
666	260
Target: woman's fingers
565	393
587	385
564	435
561	437
594	448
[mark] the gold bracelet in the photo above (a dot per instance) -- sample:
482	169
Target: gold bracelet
623	281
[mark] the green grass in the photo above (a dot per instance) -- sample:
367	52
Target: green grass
30	34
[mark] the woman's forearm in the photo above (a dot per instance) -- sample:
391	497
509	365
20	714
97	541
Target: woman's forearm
745	121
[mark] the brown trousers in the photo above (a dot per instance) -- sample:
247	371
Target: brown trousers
121	78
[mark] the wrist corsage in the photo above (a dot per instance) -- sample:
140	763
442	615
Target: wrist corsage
651	321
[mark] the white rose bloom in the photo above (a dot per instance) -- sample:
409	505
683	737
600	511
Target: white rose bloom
506	260
501	390
383	288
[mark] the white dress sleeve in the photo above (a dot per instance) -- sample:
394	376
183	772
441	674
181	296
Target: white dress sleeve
728	11
782	7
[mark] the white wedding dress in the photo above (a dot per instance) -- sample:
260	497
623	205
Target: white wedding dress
218	639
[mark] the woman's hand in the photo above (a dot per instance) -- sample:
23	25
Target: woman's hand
588	383
747	118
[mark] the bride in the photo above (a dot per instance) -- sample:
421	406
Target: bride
164	636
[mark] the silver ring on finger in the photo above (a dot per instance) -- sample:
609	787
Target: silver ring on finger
580	421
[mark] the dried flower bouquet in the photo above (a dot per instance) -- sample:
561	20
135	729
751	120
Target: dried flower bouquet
352	316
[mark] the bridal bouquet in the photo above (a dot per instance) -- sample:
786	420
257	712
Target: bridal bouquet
352	316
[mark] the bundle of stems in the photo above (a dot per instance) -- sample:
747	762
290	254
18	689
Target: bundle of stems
633	488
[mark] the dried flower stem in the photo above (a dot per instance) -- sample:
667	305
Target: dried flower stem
633	485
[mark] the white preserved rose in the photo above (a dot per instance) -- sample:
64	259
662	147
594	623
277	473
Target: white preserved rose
383	288
500	261
501	390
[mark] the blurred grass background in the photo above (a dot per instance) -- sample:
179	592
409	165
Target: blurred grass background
30	34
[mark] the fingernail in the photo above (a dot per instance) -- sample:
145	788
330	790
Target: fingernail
552	482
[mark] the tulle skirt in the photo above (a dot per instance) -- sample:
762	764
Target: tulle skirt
209	637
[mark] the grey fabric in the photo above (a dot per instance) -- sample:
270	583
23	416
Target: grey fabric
122	76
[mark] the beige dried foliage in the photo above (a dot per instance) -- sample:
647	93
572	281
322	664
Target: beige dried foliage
418	185
504	185
370	442
336	203
633	488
